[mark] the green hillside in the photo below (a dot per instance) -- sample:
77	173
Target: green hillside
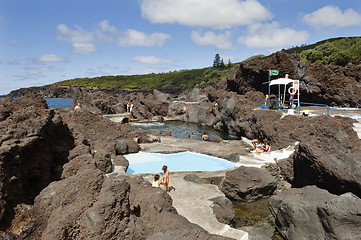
169	81
334	51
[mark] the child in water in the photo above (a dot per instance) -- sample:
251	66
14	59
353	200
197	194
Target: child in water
166	178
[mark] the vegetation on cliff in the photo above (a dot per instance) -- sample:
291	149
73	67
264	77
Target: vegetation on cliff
335	51
162	81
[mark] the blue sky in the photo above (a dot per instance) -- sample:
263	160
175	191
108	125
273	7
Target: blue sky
42	41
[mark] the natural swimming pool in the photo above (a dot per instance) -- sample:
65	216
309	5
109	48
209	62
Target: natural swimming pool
145	162
180	129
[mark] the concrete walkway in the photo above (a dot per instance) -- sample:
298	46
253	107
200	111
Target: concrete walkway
191	200
357	128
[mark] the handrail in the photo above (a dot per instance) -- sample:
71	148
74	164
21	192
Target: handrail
299	109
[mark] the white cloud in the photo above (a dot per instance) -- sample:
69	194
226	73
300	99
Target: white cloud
272	37
333	17
82	41
84	48
105	27
214	14
151	60
78	35
106	32
133	37
49	58
221	41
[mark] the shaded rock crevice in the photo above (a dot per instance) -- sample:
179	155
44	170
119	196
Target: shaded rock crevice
32	156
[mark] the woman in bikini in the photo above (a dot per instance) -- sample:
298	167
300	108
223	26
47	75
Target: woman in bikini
166	178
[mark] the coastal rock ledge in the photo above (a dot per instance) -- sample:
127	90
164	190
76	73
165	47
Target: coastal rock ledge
248	184
313	213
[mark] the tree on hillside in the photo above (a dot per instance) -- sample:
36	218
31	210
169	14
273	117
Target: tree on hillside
229	63
217	60
221	65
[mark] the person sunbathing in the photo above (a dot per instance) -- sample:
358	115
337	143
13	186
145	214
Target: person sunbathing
266	147
258	148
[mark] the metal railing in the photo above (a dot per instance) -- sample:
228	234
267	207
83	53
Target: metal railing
299	108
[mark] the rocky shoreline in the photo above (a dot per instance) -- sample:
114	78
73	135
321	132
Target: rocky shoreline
56	164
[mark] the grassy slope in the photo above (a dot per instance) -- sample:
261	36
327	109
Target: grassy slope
173	81
161	81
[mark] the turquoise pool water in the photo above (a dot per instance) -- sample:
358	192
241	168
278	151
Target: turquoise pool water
144	162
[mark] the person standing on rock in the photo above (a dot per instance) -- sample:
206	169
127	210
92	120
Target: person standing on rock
167	177
128	107
77	108
131	107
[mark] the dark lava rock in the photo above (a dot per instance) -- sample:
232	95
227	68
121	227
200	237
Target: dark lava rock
223	209
120	160
121	147
126	146
195	179
35	143
248	184
8	236
313	213
103	161
89	206
234	157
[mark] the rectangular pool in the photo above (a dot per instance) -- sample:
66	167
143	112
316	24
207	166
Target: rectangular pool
145	162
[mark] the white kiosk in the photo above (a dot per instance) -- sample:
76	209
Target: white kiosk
293	90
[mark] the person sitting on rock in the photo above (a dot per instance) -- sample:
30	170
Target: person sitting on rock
155	182
205	137
136	139
258	148
266	147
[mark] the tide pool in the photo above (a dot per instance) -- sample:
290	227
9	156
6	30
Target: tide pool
144	162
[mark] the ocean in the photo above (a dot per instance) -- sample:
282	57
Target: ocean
59	102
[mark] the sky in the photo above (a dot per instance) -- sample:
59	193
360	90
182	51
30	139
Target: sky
46	41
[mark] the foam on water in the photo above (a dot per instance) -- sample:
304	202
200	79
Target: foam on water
148	124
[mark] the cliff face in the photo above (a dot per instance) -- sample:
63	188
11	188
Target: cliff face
47	91
332	85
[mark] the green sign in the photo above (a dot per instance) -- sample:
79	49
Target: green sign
273	72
